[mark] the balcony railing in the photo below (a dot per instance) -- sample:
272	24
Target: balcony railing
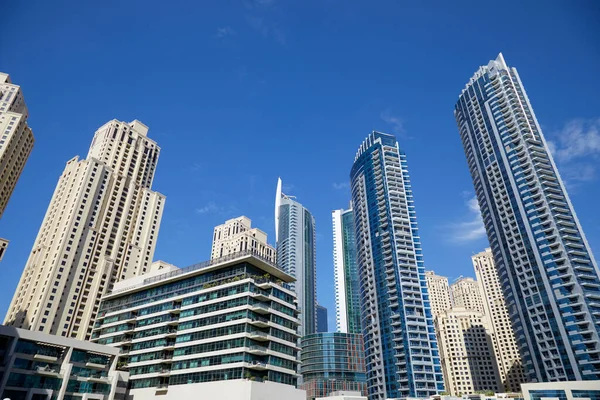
202	265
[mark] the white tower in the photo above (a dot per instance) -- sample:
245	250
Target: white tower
101	226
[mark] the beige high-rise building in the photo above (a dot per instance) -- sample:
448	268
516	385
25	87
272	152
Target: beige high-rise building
101	227
466	352
439	293
16	140
237	235
501	330
465	293
3	246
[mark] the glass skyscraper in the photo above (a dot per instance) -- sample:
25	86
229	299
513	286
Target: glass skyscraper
296	255
346	273
548	274
401	351
322	325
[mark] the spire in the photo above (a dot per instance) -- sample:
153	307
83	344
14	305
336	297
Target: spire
277	204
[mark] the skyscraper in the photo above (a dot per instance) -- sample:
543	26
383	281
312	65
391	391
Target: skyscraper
400	345
439	293
501	331
237	235
548	274
465	293
467	352
347	301
296	254
3	246
16	140
322	325
101	226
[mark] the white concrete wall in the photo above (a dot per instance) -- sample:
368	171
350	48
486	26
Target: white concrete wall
241	389
566	386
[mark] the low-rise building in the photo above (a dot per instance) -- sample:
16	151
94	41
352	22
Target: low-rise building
332	362
225	328
570	390
38	366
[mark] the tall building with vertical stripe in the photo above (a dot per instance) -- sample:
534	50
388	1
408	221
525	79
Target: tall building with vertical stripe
347	302
296	254
545	265
101	227
402	358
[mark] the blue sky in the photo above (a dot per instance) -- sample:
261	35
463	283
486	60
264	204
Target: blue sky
237	93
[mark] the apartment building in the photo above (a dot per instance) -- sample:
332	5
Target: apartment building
466	351
226	328
38	366
237	235
101	227
439	293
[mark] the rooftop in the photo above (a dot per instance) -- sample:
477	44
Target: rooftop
206	266
374	137
54	340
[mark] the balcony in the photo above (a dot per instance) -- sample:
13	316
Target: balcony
48	371
258	335
258	365
258	350
260	322
260	296
263	283
45	357
98	379
260	308
169	345
95	365
171	332
162	388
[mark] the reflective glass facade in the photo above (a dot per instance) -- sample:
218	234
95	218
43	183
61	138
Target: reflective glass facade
401	351
322	325
549	277
39	366
296	255
331	362
232	318
347	291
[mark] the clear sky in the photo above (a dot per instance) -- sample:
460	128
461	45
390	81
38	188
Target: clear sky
237	93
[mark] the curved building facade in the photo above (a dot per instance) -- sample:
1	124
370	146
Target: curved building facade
401	351
296	255
332	362
549	277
